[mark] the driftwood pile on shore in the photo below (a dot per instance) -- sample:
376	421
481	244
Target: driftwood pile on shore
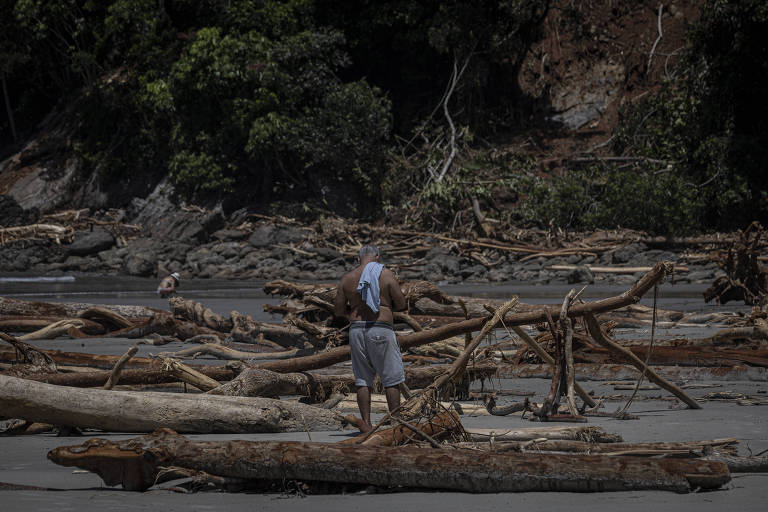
272	364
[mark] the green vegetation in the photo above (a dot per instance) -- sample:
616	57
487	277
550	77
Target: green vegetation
351	106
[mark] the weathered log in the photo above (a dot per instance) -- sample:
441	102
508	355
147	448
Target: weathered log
146	376
16	307
590	434
54	330
437	427
189	375
127	411
222	352
259	382
106	316
135	463
199	314
31	324
602	339
672	449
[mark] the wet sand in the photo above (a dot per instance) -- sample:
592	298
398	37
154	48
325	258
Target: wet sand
23	459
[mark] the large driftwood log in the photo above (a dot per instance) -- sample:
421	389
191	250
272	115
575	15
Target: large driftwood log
16	307
588	434
31	324
652	449
134	463
126	411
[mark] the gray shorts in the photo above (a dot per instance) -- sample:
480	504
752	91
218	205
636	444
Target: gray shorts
375	350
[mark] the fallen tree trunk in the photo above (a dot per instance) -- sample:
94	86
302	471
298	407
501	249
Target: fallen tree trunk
127	411
685	448
16	307
222	352
588	434
134	463
31	324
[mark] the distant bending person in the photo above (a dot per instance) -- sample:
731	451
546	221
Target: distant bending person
168	285
367	296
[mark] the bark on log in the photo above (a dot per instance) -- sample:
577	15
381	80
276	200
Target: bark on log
126	411
31	324
589	434
32	354
222	352
599	337
15	307
683	449
134	463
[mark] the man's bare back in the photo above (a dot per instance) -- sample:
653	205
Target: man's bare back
390	294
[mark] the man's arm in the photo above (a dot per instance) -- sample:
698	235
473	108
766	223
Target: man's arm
340	316
395	293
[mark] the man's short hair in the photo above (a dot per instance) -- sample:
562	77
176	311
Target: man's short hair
368	251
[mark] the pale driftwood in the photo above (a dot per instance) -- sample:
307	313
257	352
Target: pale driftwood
127	411
685	448
612	270
222	352
114	377
31	324
135	464
53	330
626	355
199	314
589	434
53	231
259	382
189	375
103	315
15	307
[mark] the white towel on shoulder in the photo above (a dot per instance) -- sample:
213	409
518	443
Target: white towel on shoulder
368	286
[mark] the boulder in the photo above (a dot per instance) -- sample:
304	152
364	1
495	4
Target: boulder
141	262
90	242
580	274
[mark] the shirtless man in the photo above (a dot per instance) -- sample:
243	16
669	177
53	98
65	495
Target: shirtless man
367	296
168	285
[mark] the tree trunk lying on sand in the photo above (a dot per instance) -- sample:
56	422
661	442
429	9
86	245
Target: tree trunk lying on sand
134	463
587	434
15	307
128	411
672	449
291	384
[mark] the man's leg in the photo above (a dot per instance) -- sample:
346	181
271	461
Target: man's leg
393	397
364	404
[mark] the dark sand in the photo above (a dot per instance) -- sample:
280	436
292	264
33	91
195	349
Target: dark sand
23	459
